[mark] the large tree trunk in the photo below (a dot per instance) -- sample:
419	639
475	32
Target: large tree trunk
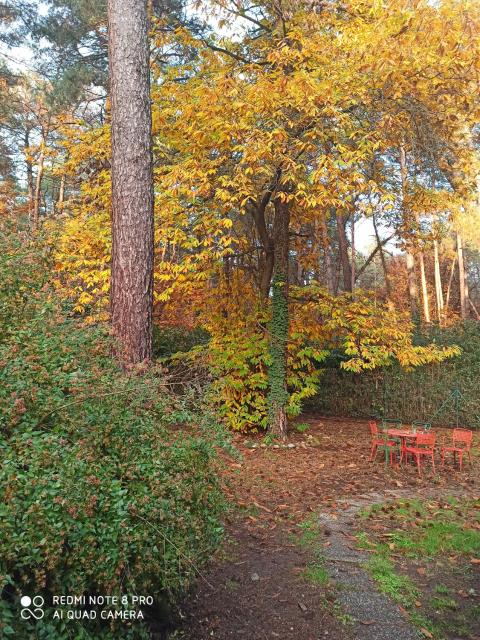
462	278
423	280
277	371
132	190
412	279
343	251
267	269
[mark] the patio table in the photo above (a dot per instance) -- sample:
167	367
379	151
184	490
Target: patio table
404	435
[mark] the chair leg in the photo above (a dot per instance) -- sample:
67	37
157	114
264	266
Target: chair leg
433	463
418	464
442	453
469	458
460	459
373	452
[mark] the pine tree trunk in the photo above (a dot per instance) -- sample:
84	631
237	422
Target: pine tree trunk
277	372
132	190
423	280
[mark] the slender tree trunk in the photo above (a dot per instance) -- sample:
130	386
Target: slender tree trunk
343	250
412	286
412	279
327	253
277	372
382	258
438	282
132	187
352	284
29	168
61	195
423	281
449	287
462	278
37	198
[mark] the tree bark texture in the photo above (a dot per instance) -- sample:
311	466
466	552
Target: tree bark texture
132	186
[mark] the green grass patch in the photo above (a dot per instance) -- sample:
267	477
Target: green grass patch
400	588
309	538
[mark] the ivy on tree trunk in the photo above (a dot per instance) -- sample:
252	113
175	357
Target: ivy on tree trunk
279	323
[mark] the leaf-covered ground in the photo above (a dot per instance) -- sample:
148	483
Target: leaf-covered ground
267	583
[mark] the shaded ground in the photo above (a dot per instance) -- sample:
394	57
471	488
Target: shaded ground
257	592
257	587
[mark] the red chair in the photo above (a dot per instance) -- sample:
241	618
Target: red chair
383	443
424	446
463	437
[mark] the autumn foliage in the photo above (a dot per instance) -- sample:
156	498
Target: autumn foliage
309	116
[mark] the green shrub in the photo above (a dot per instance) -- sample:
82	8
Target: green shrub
170	340
108	483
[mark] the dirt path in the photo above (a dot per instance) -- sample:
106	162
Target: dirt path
257	592
256	586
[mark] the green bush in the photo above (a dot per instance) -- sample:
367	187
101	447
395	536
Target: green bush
108	483
170	340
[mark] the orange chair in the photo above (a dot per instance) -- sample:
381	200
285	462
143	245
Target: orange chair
387	445
463	437
424	446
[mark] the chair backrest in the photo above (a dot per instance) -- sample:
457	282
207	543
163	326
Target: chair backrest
373	427
463	435
426	439
391	423
418	425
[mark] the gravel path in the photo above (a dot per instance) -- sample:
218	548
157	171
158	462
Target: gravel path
375	616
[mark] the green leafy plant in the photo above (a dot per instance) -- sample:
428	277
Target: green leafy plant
108	482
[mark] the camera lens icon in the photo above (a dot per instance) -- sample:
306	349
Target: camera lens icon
36	611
